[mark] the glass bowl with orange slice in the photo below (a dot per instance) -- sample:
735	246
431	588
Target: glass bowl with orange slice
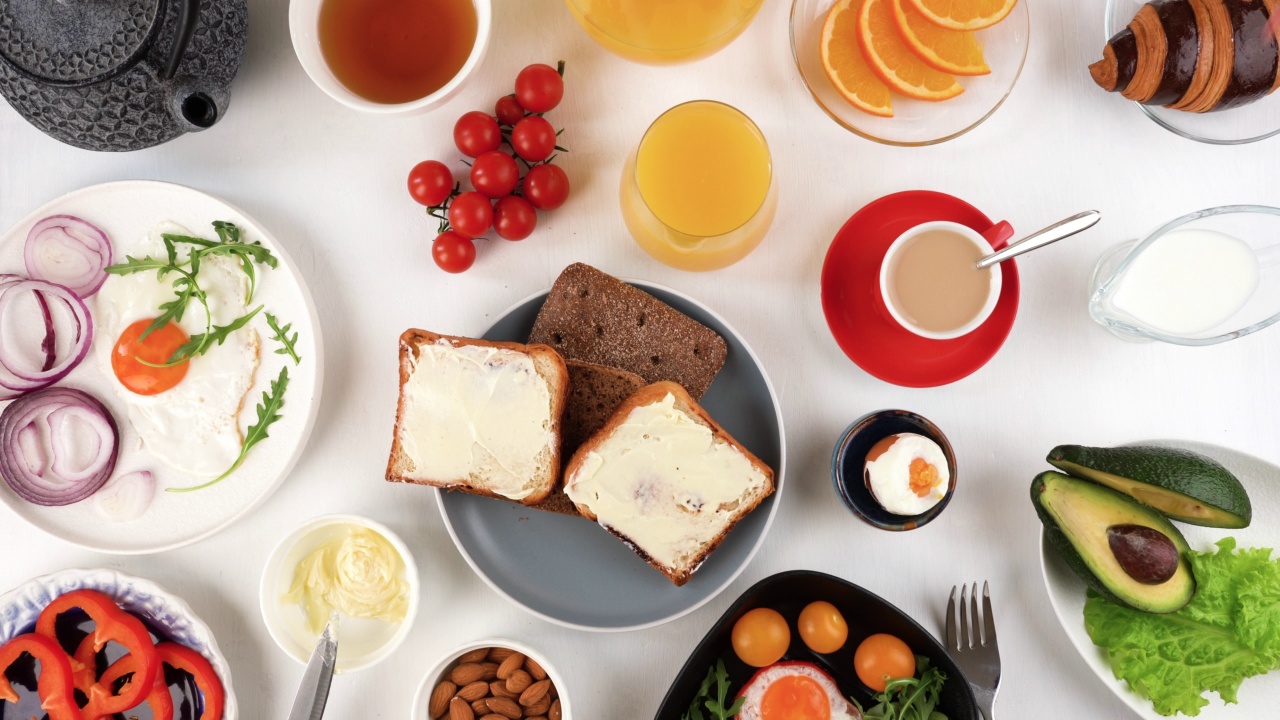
910	72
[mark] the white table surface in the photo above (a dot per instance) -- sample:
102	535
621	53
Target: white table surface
329	182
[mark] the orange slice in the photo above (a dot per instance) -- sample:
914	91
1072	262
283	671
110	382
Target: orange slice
955	51
845	65
964	14
893	62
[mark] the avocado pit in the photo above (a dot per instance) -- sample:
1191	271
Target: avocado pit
1145	554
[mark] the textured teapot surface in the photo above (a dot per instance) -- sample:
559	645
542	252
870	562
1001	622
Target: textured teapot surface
96	73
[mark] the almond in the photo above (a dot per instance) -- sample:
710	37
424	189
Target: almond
474	691
539	717
493	716
535	669
510	665
505	707
460	710
535	692
554	712
475	656
439	703
518	681
480	707
499	689
467	673
499	654
539	708
490	670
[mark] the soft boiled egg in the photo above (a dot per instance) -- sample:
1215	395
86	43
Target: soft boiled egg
907	473
187	415
794	691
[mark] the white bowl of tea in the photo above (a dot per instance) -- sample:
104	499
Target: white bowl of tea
390	57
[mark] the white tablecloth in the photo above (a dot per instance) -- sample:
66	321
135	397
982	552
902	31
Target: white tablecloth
330	183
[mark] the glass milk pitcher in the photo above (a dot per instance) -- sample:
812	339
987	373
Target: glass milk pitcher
1204	278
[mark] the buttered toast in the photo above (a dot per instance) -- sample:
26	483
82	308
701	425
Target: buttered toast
478	416
663	477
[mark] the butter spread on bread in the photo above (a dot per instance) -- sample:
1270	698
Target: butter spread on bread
476	411
666	479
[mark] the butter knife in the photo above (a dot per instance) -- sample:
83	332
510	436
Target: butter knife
313	691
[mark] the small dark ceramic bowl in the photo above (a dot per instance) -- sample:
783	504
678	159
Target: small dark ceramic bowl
848	464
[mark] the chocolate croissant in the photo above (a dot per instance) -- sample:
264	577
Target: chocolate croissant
1194	55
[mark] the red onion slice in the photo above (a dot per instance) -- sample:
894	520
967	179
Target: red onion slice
125	497
19	377
68	251
36	439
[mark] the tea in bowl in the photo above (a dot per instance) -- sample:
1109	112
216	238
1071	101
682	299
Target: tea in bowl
390	57
930	284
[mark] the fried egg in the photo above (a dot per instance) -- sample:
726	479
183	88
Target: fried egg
186	415
794	691
907	473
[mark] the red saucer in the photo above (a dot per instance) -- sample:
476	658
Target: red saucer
856	313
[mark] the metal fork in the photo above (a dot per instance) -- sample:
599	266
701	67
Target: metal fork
974	648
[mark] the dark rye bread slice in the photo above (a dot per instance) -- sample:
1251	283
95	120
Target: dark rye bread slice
594	317
595	391
726	517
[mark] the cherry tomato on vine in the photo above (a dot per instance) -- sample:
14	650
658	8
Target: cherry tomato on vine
546	186
533	139
452	252
470	214
514	218
539	88
495	174
430	183
476	133
508	110
881	658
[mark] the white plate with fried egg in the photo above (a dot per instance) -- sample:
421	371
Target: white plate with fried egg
192	431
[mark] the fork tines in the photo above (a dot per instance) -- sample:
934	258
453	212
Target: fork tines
975	632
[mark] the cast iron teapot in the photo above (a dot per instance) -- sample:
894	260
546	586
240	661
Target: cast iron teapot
120	74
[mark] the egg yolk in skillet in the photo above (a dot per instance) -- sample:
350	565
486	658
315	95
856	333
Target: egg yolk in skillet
132	353
795	697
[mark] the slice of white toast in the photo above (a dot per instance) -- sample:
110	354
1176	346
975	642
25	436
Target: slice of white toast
478	416
663	477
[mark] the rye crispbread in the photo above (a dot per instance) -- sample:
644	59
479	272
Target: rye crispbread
595	391
733	513
549	366
594	317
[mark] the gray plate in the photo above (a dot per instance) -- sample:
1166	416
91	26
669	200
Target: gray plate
569	570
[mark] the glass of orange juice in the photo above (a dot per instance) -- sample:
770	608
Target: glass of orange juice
698	192
664	32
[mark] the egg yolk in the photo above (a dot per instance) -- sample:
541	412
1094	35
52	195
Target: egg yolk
795	697
924	477
131	354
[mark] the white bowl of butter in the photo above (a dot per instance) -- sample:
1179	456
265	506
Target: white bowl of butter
348	565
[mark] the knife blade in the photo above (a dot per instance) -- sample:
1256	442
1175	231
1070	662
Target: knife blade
313	691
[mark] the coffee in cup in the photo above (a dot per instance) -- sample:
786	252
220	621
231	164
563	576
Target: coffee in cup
929	282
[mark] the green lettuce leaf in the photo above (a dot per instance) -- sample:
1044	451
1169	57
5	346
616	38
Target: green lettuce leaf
1229	631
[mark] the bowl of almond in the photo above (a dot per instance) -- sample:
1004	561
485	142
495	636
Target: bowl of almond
491	680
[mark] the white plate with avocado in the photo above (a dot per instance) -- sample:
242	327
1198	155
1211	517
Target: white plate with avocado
1258	695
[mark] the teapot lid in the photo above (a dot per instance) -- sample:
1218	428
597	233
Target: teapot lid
77	42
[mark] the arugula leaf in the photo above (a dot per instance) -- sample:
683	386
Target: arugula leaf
909	698
282	336
1229	631
268	413
197	344
716	706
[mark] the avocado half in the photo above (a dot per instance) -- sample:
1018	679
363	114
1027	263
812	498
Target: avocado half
1077	516
1181	484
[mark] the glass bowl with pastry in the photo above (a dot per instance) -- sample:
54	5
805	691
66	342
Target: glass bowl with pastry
1203	69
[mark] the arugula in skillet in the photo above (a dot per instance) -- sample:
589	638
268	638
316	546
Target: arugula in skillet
910	698
715	706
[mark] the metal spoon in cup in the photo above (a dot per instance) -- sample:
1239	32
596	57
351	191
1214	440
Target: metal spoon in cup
1051	234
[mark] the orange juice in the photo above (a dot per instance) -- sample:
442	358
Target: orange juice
698	193
660	32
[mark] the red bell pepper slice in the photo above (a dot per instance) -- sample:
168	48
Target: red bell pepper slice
159	700
111	622
56	685
184	658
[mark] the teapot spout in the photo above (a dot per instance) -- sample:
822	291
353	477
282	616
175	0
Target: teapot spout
195	107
